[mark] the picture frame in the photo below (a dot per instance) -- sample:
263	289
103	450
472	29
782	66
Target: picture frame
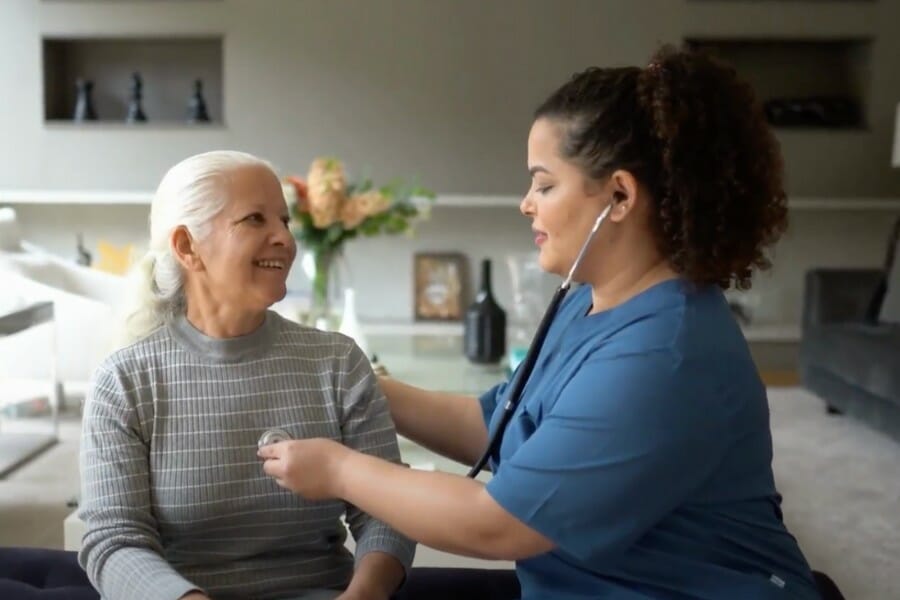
439	286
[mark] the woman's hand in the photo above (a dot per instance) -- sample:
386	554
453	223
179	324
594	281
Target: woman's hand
309	468
194	596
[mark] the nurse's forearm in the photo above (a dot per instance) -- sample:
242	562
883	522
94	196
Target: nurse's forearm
444	511
448	424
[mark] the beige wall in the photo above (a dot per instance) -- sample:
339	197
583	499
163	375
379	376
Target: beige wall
442	89
438	89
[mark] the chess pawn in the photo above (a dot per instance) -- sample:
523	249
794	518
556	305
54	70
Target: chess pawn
84	102
197	105
135	110
84	257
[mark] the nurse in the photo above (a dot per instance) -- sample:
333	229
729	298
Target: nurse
638	463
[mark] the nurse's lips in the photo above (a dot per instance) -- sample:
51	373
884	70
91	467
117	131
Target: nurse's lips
539	236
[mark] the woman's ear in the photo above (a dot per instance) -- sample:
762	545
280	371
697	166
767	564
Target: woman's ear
185	250
623	188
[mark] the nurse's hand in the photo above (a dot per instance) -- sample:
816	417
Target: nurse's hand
306	467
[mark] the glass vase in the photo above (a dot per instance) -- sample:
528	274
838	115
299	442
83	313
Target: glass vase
322	267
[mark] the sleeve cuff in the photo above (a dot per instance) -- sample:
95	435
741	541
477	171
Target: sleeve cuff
383	539
488	401
142	574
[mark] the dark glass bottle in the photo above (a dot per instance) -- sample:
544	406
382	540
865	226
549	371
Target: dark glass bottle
484	339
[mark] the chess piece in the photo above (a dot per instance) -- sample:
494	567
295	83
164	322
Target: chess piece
84	257
135	110
197	105
84	102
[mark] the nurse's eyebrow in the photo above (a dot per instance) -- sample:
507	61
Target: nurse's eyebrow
537	169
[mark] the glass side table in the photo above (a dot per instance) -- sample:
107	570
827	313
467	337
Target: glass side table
22	441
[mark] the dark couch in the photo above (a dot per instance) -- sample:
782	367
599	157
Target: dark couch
849	357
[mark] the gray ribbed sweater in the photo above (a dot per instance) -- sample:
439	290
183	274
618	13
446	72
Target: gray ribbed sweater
173	495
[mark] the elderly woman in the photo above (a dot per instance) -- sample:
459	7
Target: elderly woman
174	499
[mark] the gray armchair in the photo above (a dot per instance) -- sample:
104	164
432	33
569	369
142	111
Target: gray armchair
848	357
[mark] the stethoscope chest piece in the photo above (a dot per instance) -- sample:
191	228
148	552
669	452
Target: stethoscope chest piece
273	436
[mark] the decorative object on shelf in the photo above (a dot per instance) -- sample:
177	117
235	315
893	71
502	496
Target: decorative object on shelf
740	312
10	231
484	330
197	112
327	211
836	111
527	304
84	101
876	310
895	160
744	305
438	286
350	325
135	109
114	259
84	257
378	368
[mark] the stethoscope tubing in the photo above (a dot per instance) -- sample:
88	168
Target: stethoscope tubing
520	378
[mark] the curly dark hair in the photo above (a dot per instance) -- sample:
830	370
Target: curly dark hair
695	135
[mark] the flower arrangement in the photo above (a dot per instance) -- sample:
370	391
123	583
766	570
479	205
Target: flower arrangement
326	211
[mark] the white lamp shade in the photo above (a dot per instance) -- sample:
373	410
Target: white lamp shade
896	159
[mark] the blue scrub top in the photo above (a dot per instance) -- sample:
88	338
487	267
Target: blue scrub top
642	449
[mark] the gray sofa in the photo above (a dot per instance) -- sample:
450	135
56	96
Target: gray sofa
850	352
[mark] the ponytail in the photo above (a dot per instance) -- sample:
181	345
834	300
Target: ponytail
694	134
142	313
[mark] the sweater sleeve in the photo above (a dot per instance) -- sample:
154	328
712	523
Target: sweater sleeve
366	426
121	551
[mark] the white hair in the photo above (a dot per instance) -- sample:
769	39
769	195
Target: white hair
190	194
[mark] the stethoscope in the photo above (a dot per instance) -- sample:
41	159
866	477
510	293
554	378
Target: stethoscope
272	436
520	378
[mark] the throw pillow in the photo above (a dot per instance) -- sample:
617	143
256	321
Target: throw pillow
10	234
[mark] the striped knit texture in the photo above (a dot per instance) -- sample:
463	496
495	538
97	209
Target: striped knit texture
173	495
